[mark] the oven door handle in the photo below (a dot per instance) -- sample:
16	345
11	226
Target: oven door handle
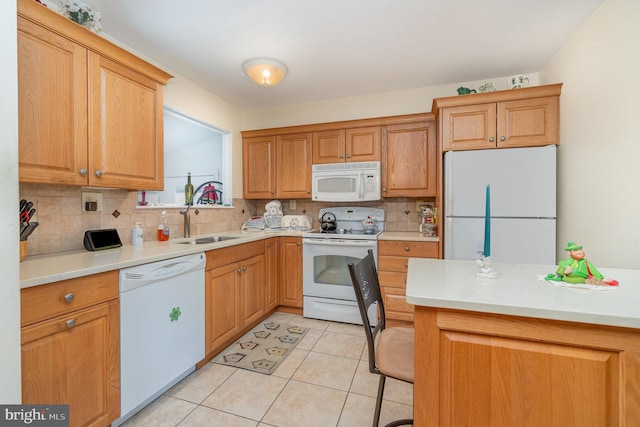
339	242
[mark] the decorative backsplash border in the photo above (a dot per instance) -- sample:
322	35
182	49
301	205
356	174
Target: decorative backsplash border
63	222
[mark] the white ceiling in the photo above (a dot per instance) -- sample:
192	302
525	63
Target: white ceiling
339	48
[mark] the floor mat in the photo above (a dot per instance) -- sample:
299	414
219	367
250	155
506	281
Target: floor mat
263	348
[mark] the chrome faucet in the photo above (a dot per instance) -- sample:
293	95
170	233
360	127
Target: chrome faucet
187	221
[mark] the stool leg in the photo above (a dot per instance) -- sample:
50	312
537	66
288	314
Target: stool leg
376	415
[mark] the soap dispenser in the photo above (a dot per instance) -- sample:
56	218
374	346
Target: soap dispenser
136	234
163	227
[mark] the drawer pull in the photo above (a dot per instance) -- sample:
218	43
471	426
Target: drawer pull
406	265
68	297
406	248
70	323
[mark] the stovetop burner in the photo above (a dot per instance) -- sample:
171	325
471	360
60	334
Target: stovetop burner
349	223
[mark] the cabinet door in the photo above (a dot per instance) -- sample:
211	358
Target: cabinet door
291	271
328	146
52	107
468	127
545	384
221	305
363	144
528	122
252	285
75	359
126	147
259	167
271	273
294	166
410	163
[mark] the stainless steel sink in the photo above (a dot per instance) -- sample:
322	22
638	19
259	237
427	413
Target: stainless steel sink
205	240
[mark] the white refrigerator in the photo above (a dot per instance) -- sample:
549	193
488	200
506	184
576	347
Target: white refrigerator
522	199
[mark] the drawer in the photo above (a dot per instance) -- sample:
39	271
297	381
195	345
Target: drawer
393	263
409	249
392	279
230	254
395	304
46	301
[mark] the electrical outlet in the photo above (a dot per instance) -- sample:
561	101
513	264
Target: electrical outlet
92	197
292	204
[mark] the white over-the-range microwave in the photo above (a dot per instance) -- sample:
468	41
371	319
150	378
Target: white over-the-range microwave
346	182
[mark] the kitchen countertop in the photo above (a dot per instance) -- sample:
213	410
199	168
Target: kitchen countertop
406	235
518	291
41	269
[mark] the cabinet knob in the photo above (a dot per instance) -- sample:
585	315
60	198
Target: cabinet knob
298	243
406	265
491	139
340	156
239	270
348	156
502	138
268	245
406	248
384	190
272	191
245	268
308	191
68	297
98	173
83	172
70	323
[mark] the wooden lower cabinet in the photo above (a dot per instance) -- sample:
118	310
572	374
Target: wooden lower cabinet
291	271
234	292
393	259
73	357
493	370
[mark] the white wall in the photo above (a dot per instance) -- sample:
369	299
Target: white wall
599	155
10	391
359	107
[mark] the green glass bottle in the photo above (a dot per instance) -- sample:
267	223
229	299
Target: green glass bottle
188	191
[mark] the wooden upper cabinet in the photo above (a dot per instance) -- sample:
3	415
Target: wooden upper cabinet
52	107
294	166
259	167
347	145
516	118
89	113
528	122
409	160
328	146
125	127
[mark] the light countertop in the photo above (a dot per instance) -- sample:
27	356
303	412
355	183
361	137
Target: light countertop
518	291
406	235
40	269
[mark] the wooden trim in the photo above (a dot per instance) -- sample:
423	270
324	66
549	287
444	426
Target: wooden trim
58	24
499	96
318	127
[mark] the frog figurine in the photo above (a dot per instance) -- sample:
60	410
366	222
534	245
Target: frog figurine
577	269
465	90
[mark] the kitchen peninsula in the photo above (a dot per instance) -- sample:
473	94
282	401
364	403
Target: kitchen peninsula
517	350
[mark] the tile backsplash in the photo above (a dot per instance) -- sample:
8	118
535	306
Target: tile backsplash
63	222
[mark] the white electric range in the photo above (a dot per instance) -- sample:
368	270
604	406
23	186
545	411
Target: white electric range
326	283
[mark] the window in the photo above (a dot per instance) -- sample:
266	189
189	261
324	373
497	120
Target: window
192	146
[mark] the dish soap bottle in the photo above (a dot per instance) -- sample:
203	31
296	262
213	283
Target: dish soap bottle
136	234
188	191
163	227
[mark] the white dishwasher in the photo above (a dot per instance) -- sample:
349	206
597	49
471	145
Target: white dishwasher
161	328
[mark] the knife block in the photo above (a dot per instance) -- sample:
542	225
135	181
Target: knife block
23	249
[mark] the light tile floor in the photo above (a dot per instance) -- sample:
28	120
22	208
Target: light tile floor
324	382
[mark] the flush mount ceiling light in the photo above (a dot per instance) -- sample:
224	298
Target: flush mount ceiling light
265	71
